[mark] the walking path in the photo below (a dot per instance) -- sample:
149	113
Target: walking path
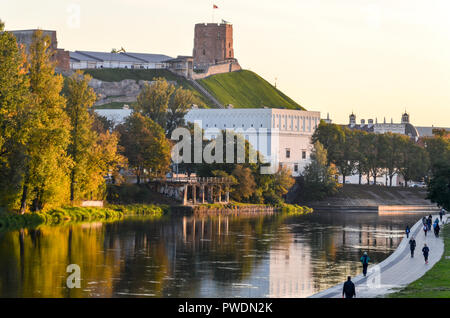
398	270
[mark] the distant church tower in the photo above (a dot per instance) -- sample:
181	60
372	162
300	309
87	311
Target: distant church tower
213	43
405	118
352	120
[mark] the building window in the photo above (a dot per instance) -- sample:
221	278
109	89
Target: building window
295	167
204	52
288	153
303	154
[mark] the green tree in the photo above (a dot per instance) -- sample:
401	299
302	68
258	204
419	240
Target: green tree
145	146
153	100
439	185
245	186
320	178
178	107
414	164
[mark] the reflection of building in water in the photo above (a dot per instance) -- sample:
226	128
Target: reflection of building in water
291	272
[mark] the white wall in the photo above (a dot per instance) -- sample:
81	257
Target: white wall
295	133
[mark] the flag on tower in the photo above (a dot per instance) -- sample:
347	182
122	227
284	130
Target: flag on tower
215	7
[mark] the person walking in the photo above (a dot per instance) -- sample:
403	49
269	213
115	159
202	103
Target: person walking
437	228
349	290
365	263
425	229
424	221
425	251
412	245
441	214
429	222
407	231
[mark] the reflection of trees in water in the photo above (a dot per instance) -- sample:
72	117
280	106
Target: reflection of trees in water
173	256
33	262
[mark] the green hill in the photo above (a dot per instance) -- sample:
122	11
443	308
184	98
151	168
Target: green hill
245	89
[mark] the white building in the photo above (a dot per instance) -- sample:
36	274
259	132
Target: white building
280	135
88	59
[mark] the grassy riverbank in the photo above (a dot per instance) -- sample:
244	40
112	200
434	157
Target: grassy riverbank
436	282
13	221
289	209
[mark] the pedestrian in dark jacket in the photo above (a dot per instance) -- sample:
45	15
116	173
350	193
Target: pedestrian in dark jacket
407	231
425	229
365	262
437	228
349	289
412	245
429	223
425	251
441	214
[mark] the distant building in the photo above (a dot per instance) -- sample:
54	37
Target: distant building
25	37
404	127
281	135
182	65
89	59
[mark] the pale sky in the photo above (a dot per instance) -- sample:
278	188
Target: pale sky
375	57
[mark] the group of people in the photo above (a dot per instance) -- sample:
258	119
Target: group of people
349	290
427	223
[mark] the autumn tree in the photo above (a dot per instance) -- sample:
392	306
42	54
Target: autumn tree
14	119
46	159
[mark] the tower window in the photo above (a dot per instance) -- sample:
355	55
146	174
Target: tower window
204	52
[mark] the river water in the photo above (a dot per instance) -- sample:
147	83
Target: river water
264	256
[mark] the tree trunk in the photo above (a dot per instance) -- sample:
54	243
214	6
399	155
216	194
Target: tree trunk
23	201
343	179
390	180
360	178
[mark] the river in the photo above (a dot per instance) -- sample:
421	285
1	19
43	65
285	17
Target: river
264	256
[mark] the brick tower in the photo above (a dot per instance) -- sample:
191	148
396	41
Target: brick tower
213	44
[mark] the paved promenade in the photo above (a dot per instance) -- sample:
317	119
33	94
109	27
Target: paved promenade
398	270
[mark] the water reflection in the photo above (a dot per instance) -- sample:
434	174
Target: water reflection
270	256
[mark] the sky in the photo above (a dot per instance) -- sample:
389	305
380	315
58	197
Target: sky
376	58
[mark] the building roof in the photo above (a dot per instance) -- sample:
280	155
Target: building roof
102	56
179	58
428	131
147	57
81	57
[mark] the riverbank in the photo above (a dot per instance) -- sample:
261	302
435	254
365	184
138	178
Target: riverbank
436	282
372	198
64	215
243	208
397	271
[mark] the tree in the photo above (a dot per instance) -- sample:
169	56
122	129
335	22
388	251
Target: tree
145	146
414	163
14	119
439	185
80	97
320	178
153	100
245	183
46	160
179	105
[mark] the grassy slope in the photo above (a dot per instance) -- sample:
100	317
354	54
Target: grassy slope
436	282
245	89
117	75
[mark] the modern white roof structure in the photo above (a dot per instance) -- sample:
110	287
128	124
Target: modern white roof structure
92	59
